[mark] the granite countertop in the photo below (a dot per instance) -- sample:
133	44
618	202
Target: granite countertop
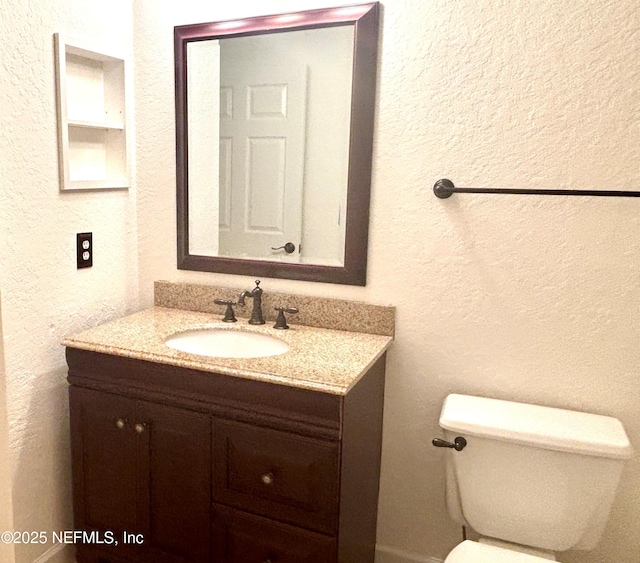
330	361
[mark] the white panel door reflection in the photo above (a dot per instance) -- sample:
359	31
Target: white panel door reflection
262	151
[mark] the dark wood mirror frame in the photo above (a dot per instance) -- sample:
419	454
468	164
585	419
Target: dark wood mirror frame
364	19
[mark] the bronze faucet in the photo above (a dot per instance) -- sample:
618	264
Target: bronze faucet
256	312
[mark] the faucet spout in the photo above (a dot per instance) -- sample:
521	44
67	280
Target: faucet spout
256	313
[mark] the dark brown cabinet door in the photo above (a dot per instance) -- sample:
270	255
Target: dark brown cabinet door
141	468
245	538
104	463
175	483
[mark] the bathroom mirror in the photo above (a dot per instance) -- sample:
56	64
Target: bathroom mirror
274	134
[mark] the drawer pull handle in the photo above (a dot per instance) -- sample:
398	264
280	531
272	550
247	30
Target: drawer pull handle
121	423
139	428
267	479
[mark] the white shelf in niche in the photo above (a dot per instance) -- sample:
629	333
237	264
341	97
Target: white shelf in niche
92	118
94	125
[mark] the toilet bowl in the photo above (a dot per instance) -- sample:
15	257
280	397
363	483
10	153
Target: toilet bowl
530	480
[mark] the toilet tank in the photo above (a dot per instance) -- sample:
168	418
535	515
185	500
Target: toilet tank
538	476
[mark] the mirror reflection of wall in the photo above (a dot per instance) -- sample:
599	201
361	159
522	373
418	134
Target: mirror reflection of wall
204	127
268	125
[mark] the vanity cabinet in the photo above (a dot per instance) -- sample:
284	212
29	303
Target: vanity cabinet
216	468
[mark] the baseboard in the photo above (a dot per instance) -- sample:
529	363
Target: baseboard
62	553
59	553
386	554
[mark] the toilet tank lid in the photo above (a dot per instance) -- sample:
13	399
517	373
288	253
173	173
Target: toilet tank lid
535	425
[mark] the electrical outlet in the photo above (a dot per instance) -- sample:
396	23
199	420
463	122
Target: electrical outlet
84	250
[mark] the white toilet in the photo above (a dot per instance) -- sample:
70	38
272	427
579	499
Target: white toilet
531	480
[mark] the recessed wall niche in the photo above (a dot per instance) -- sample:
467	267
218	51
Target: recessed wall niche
92	118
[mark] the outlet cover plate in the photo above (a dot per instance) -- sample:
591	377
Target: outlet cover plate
84	250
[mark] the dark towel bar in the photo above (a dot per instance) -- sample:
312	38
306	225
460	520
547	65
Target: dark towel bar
444	188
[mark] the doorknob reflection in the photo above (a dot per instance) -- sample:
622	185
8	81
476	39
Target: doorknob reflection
288	248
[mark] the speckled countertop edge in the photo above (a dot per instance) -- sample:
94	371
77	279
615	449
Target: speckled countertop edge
330	361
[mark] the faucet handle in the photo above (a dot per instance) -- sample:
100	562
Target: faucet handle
281	322
229	316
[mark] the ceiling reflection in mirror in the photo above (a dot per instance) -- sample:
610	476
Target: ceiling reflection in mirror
268	137
274	136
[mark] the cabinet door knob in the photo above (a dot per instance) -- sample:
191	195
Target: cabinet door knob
267	478
139	428
121	423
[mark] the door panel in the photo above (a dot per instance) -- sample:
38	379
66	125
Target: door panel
265	195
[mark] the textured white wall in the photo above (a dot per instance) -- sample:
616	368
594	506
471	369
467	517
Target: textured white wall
517	297
44	297
6	505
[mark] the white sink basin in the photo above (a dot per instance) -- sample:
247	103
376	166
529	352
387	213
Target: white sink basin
226	343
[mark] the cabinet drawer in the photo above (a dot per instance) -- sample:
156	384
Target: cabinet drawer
276	474
245	538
